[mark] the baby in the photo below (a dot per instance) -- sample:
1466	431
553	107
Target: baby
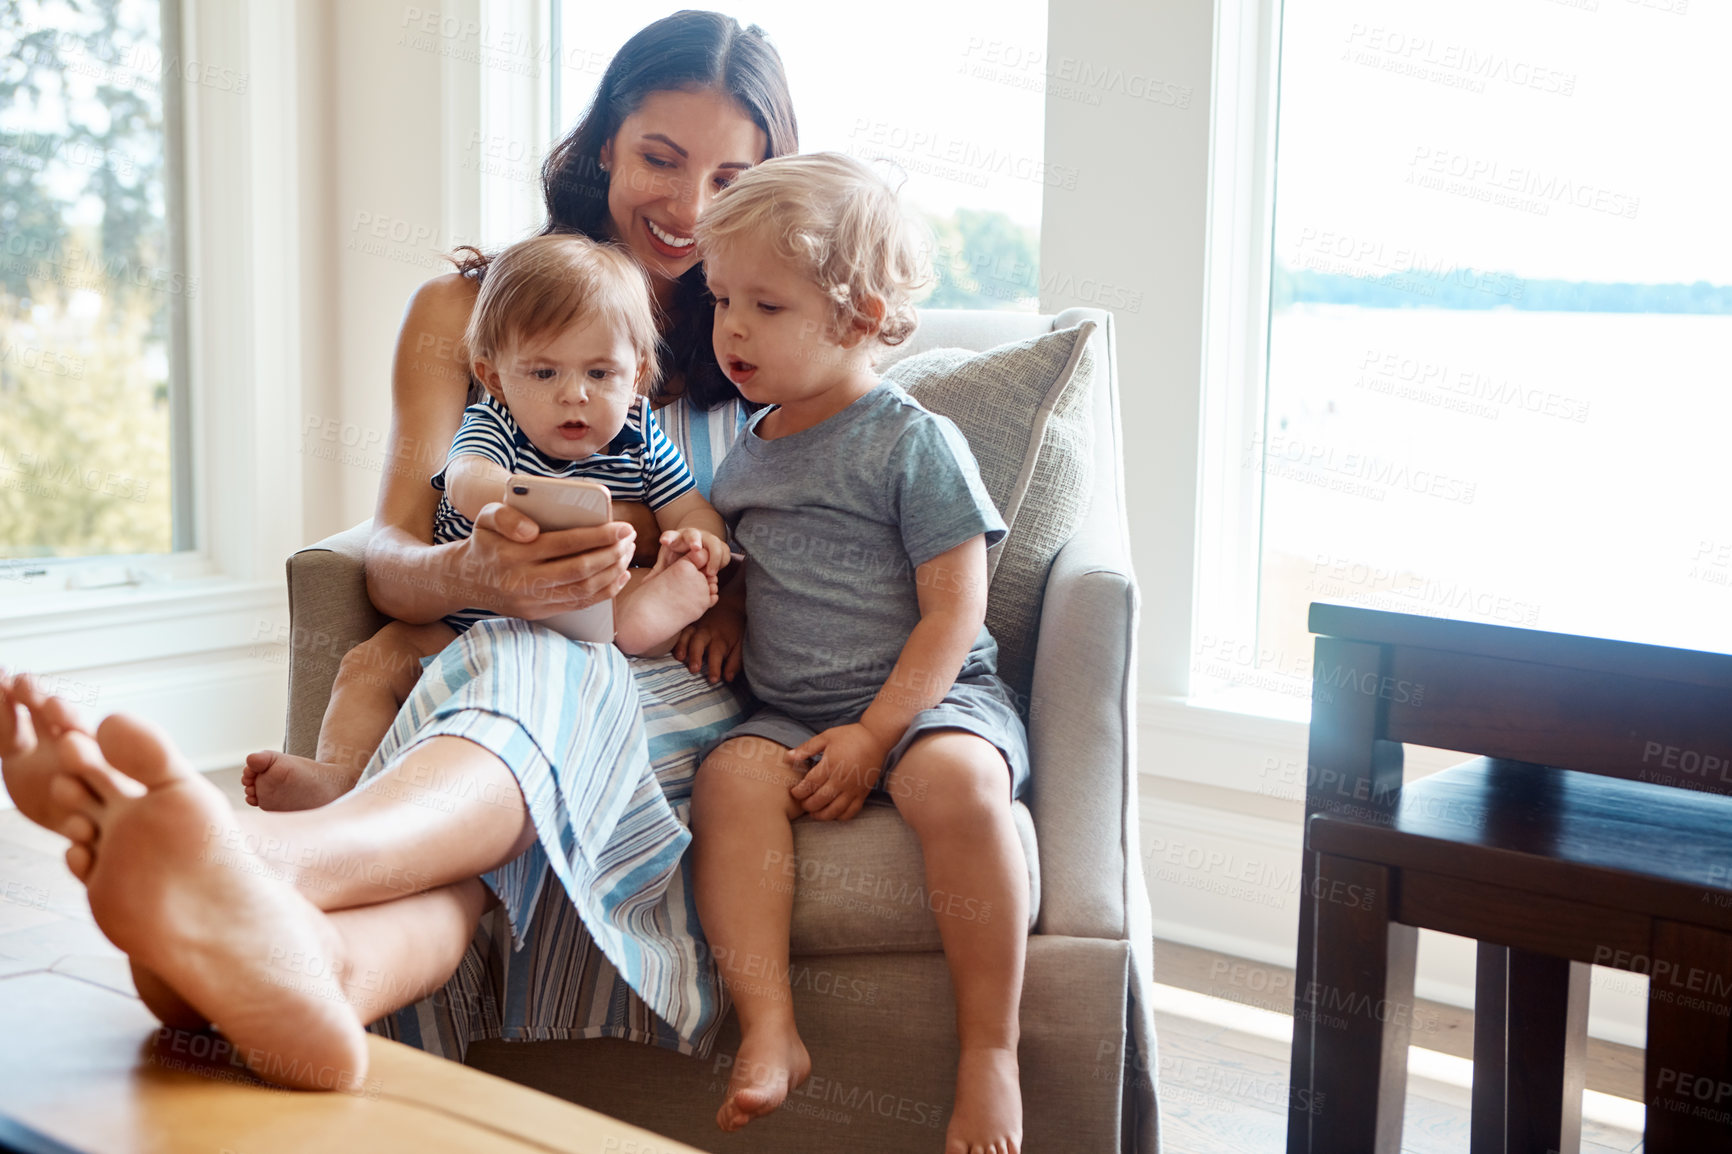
563	340
865	527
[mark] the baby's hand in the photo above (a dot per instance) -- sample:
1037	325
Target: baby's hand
706	550
835	789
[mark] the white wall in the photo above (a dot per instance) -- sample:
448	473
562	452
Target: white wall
1136	207
383	227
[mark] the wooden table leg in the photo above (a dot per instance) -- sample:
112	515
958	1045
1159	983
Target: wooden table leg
1347	765
1360	1006
1530	1038
1490	1057
1688	1071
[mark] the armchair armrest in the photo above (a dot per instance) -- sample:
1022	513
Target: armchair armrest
329	614
1081	735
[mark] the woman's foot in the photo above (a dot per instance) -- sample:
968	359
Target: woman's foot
173	887
988	1112
281	781
674	594
30	724
170	1008
771	1062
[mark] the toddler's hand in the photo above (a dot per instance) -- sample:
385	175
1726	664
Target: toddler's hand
835	789
715	640
706	550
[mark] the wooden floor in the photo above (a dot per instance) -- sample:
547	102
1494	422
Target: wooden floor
1224	1026
1223	1023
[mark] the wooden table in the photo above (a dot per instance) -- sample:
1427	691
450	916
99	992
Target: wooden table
1593	830
86	1068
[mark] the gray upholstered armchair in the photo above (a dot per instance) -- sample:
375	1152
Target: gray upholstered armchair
871	990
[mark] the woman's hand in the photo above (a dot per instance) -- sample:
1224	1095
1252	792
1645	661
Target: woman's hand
516	570
712	644
835	789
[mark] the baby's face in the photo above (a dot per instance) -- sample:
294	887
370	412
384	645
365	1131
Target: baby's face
569	392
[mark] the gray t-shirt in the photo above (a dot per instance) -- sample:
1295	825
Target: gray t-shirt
834	520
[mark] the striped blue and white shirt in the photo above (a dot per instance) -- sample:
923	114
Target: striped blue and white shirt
640	464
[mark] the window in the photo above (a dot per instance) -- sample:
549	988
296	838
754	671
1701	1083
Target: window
93	457
957	111
1499	304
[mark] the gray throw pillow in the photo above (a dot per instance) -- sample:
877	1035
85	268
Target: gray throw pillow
1025	409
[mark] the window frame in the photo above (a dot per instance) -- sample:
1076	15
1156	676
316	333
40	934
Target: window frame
240	183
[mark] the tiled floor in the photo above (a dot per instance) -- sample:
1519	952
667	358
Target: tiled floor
1223	1024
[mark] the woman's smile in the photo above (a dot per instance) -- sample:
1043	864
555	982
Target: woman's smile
670	244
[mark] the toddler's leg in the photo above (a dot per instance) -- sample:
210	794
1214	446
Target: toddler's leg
742	831
373	681
953	789
650	611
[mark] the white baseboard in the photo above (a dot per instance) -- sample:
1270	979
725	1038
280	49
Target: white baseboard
1229	881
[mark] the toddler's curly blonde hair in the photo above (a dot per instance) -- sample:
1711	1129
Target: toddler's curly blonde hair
840	223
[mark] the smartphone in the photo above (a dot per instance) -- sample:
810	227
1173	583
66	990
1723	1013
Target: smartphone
555	503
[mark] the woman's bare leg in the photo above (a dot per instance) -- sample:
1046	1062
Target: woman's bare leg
400	952
447	810
742	817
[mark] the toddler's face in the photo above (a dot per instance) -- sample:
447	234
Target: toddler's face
774	334
569	392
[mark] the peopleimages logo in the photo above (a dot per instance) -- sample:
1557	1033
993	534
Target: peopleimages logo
1354	473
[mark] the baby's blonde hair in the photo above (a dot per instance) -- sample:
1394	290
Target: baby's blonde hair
539	286
840	223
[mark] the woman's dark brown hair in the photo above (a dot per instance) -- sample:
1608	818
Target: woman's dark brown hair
688	50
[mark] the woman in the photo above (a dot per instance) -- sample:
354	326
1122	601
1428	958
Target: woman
519	756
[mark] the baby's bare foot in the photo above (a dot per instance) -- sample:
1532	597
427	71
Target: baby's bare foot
771	1062
647	620
988	1112
224	938
281	781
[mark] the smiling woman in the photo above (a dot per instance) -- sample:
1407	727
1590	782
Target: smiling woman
658	184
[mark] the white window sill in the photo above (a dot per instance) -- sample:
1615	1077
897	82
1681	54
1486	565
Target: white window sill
90	628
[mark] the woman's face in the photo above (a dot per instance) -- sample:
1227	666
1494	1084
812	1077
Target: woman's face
666	162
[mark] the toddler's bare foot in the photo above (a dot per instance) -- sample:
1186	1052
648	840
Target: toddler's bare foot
281	781
30	721
988	1113
771	1062
650	617
211	924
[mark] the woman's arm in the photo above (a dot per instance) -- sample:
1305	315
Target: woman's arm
507	566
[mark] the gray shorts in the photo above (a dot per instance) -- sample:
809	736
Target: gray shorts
980	705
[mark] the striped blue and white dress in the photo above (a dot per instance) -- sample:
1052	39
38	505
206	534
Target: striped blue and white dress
596	934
